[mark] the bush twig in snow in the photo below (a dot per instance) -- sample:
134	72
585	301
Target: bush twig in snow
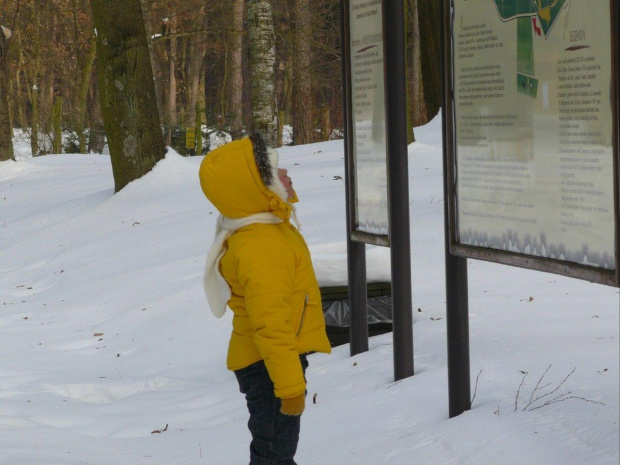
537	394
475	389
519	390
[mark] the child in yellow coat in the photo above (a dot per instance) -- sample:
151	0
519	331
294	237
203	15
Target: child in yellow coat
260	266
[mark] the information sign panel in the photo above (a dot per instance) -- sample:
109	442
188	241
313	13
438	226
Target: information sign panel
534	132
367	141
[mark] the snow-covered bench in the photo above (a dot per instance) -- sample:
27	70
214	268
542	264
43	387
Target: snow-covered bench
330	264
338	313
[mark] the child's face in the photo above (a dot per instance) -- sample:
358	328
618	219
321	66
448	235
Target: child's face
288	184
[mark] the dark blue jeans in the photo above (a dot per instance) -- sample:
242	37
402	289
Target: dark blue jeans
274	435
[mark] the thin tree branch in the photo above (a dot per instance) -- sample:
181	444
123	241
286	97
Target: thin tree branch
475	389
550	392
518	391
537	385
562	399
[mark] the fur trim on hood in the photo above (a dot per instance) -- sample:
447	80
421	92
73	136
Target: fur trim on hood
267	161
261	157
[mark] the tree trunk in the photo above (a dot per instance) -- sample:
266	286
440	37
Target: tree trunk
302	81
46	86
199	111
96	135
34	131
18	101
46	98
18	104
196	56
196	52
326	128
127	91
157	51
414	73
429	18
83	92
34	89
56	118
236	69
280	136
6	130
223	89
171	101
262	69
287	105
417	88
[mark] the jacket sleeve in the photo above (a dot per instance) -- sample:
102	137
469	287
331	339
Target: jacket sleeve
266	271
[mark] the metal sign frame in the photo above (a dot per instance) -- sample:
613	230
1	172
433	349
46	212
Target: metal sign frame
350	157
392	37
551	265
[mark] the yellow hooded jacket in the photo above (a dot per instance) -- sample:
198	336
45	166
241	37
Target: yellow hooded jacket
275	295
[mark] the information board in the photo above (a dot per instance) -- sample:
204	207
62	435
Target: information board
535	128
368	120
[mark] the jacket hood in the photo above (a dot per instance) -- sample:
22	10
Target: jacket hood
241	179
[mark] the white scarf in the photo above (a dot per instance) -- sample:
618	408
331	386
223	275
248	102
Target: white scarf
216	287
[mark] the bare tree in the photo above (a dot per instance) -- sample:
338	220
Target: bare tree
34	83
127	91
6	129
85	75
262	68
56	121
84	46
171	91
236	68
302	80
195	54
416	110
429	18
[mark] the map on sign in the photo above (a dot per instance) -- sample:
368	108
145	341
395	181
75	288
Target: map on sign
543	12
532	16
535	153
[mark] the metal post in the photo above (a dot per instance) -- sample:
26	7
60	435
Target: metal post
398	175
457	321
356	251
457	300
358	322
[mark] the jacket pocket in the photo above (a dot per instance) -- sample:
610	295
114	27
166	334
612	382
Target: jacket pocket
303	316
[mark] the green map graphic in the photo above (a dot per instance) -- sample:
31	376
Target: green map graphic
537	16
547	11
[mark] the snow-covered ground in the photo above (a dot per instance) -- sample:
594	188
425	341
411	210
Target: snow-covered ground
110	355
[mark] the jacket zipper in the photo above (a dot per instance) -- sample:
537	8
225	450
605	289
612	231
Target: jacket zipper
303	316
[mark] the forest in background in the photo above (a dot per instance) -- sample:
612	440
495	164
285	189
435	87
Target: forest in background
199	54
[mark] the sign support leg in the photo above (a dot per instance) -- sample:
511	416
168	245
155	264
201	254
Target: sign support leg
356	251
358	310
398	175
457	299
